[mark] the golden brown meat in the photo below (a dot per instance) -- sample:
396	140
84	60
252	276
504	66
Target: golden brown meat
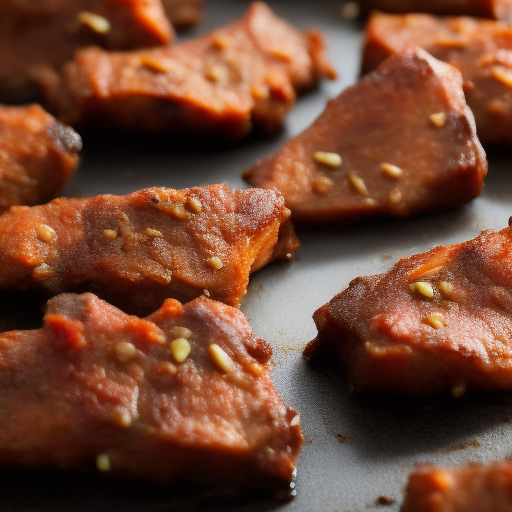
480	49
37	155
184	13
221	84
183	396
436	322
139	249
400	141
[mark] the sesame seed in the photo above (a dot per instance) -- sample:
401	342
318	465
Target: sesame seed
424	288
452	42
446	288
206	293
195	204
358	183
458	390
438	119
153	64
322	185
182	332
502	75
178	210
395	196
216	262
157	337
125	350
103	462
154	232
280	54
391	170
180	349
45	233
260	92
217	73
42	272
95	22
110	233
122	417
219	42
167	368
435	320
370	201
295	420
220	358
329	159
350	11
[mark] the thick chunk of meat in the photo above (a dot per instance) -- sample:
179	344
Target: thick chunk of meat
486	488
436	322
221	84
183	396
35	34
184	13
480	49
37	155
400	141
139	249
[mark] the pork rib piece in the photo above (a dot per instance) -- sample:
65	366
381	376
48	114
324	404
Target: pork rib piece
400	141
183	396
139	249
436	322
37	155
221	84
184	13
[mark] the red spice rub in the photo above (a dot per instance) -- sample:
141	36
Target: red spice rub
37	155
184	13
400	141
98	388
221	84
436	322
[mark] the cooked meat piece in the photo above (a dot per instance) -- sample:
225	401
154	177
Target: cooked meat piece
398	142
37	155
247	72
183	396
139	249
184	13
436	322
480	49
474	487
47	32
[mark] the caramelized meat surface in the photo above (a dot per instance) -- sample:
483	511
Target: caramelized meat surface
184	13
436	322
183	396
139	249
221	84
400	141
474	487
37	155
480	49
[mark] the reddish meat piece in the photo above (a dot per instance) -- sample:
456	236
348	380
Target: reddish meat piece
436	322
139	249
184	13
96	387
400	141
247	72
474	487
480	49
37	155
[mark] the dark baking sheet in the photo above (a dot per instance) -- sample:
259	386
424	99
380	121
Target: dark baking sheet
357	448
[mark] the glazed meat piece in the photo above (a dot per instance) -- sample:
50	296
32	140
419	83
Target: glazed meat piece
35	34
400	141
436	322
183	396
480	49
221	84
184	13
139	249
474	487
37	155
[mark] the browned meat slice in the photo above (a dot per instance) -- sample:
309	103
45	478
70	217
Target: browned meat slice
247	72
139	249
37	155
480	49
181	396
400	141
474	487
436	322
184	13
47	32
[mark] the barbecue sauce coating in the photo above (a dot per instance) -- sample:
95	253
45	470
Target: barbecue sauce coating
400	141
184	13
98	388
221	84
139	249
437	322
37	155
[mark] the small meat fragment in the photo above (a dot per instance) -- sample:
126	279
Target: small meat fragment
139	249
37	155
480	49
483	488
97	389
437	322
400	141
221	84
184	13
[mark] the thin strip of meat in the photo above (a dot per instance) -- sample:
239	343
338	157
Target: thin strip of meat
480	49
139	249
184	13
400	141
37	155
437	322
221	84
183	396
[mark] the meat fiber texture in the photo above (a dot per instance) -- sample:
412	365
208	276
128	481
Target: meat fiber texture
139	249
184	13
400	141
437	322
37	155
247	73
97	389
480	49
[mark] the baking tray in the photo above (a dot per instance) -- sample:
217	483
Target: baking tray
357	448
